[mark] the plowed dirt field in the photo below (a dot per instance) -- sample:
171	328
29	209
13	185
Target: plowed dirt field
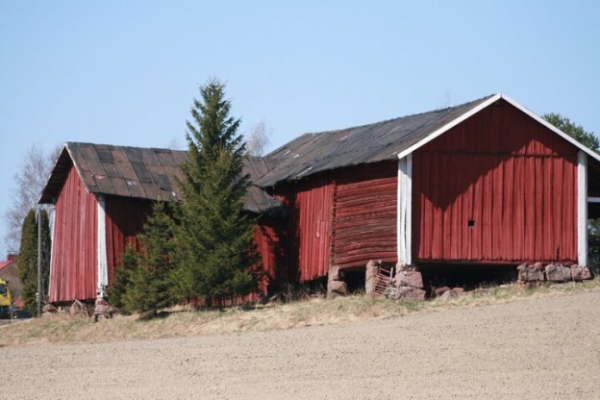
546	348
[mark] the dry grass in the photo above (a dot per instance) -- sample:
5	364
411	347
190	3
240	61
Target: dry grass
184	322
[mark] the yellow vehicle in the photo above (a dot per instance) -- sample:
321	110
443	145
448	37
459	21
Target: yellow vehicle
5	299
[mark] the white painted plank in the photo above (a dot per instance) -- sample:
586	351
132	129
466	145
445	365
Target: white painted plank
101	248
404	231
582	214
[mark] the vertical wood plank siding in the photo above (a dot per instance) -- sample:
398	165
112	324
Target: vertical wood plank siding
73	270
267	244
364	224
313	213
125	218
497	188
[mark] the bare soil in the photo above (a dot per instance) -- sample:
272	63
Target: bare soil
544	348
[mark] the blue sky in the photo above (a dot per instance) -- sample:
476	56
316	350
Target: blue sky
125	72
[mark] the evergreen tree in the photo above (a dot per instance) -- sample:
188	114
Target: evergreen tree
28	259
46	248
148	285
577	132
214	234
122	279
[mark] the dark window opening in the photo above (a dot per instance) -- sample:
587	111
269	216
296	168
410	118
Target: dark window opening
355	279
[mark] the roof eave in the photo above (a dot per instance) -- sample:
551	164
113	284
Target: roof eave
43	197
438	132
548	125
486	104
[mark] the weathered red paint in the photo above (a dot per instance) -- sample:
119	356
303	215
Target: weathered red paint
267	245
74	258
125	219
511	178
364	223
343	218
74	266
313	206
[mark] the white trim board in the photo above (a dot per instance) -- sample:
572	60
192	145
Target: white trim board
582	203
435	134
404	206
101	248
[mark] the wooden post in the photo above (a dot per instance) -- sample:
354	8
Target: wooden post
582	211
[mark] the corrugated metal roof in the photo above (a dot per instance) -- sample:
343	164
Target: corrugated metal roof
145	173
317	152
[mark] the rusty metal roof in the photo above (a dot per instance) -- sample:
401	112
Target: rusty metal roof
145	173
317	152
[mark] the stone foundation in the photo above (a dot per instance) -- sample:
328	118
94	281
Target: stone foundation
102	309
557	273
408	283
78	308
371	272
48	310
335	283
580	273
534	275
530	273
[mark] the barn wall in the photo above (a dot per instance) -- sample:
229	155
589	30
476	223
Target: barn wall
73	270
364	225
312	208
343	218
268	247
499	187
125	218
304	250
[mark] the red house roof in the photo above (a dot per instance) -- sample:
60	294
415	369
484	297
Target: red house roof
4	264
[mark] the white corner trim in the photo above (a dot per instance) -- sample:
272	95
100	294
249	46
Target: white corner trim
582	214
404	210
487	103
51	215
450	125
101	248
552	128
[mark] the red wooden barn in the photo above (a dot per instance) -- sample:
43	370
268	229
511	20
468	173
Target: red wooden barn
102	196
486	182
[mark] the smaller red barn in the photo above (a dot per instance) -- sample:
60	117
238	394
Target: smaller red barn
101	197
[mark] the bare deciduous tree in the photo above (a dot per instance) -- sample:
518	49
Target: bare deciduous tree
257	140
29	182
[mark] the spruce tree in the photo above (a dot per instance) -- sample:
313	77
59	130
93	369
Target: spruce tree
122	278
28	259
148	285
28	262
214	234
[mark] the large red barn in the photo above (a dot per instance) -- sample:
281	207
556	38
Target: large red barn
486	182
103	194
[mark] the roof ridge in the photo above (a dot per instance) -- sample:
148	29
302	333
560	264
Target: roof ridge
122	146
402	117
